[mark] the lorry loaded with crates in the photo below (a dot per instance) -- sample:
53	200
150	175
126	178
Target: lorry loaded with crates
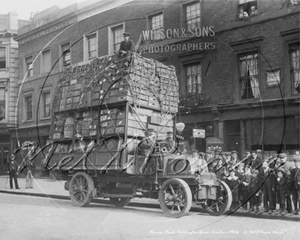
113	136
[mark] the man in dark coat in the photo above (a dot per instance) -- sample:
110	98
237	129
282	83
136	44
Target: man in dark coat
13	171
295	184
126	49
268	187
283	166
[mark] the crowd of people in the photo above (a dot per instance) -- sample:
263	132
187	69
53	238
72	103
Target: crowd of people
257	179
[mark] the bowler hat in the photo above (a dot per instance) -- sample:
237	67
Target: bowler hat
234	151
126	34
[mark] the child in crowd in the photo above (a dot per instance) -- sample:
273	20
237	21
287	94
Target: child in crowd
281	189
254	191
240	173
233	184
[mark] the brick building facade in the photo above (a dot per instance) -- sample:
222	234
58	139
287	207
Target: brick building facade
8	82
235	73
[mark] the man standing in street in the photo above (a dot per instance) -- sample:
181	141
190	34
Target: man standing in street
283	166
295	184
13	171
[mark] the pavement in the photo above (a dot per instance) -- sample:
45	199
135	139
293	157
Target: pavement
52	188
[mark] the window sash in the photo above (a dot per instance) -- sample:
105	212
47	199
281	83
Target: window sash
248	76
2	103
295	68
28	105
2	57
66	58
117	37
28	63
194	80
157	24
46	104
193	18
46	61
92	46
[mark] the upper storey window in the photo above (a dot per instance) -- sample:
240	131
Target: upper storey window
247	9
192	15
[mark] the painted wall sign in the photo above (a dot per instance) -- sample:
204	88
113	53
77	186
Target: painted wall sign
273	78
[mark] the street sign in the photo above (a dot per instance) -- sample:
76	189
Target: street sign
198	133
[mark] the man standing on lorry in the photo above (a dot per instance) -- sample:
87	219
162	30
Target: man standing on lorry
126	49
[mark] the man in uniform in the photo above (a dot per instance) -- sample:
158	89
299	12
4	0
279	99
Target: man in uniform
126	49
13	171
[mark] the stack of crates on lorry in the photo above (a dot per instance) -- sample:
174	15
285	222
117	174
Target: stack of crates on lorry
89	99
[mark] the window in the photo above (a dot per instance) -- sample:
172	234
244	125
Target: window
28	66
193	76
2	57
91	46
46	104
247	9
295	67
157	24
66	55
248	76
46	61
2	103
117	36
192	15
28	108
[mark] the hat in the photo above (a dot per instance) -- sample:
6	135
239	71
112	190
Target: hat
248	166
253	151
282	155
234	151
254	171
202	154
12	155
297	158
208	152
126	34
247	150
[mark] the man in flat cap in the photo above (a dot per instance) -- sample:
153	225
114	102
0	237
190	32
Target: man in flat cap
126	49
234	159
285	169
295	184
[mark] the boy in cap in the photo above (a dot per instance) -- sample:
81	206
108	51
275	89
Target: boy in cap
254	191
281	189
295	184
233	183
13	171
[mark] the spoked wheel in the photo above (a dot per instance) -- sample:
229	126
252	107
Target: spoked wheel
81	189
120	201
223	202
175	197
